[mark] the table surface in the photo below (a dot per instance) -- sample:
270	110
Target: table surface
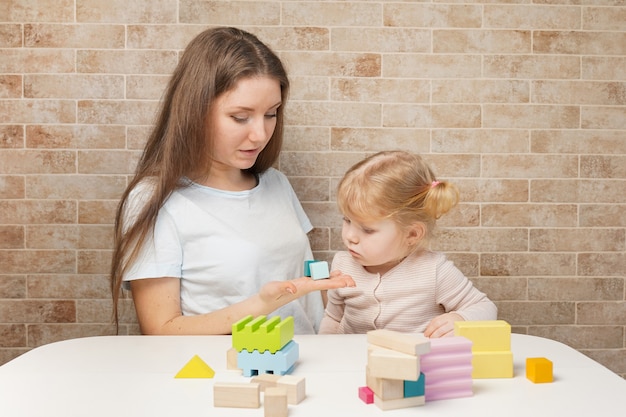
134	376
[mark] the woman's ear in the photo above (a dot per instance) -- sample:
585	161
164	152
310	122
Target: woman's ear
415	233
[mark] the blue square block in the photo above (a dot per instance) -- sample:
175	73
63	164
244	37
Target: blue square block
319	270
415	388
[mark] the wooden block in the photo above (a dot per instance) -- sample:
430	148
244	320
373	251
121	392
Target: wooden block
487	335
266	380
236	395
539	370
295	387
415	388
275	402
409	343
262	334
385	388
319	270
231	359
366	395
387	363
492	364
399	403
196	368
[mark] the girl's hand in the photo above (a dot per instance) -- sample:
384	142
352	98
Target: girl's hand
442	325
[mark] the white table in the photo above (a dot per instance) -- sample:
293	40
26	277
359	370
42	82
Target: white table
134	376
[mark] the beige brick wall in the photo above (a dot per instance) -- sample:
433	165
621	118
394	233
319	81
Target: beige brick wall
522	104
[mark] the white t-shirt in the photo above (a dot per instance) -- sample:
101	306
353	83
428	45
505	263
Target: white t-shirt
225	245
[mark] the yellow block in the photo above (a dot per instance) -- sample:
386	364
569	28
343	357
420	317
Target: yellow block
539	370
487	335
196	368
495	364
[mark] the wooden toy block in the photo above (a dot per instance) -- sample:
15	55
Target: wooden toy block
196	368
275	402
237	395
281	362
295	387
539	370
488	335
387	363
445	390
231	358
366	395
409	343
262	334
384	388
266	380
307	267
398	403
319	270
492	364
415	388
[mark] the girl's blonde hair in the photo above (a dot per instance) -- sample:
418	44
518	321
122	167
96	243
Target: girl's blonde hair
395	185
180	145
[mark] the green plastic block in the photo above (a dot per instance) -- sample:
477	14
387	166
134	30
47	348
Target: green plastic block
262	334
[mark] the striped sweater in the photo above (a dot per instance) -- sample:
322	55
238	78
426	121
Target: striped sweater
405	299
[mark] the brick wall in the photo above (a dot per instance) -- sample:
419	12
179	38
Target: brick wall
521	104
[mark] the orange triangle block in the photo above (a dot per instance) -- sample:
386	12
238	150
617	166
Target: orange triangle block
196	368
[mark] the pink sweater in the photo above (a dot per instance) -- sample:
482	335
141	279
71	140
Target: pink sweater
404	299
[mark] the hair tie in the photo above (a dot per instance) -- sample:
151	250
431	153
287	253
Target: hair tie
434	184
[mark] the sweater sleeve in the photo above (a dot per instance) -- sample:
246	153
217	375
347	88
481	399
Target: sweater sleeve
456	293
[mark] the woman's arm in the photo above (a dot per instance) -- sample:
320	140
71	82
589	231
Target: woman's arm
157	303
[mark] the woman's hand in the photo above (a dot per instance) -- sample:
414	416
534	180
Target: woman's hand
442	325
298	287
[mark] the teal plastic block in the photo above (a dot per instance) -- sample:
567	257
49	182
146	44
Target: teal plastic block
262	334
279	363
415	388
319	270
307	269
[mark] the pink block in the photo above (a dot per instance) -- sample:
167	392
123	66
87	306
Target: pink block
366	395
454	388
447	373
439	360
450	344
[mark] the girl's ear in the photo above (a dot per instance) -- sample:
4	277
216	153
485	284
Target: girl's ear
415	233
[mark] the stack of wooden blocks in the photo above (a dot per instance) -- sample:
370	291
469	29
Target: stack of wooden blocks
491	347
393	376
264	349
265	346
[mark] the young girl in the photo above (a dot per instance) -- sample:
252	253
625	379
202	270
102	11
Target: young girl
207	232
390	203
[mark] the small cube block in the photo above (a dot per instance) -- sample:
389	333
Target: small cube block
366	395
319	270
539	370
295	387
266	380
384	388
307	268
275	402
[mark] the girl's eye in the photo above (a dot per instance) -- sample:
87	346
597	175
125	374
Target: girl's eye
271	116
346	220
368	231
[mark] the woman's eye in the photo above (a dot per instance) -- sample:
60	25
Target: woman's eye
271	116
346	220
240	119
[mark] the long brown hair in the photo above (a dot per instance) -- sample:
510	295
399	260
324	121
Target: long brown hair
180	145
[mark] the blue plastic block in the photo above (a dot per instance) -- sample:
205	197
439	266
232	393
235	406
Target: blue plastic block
319	270
415	388
262	334
307	269
280	363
